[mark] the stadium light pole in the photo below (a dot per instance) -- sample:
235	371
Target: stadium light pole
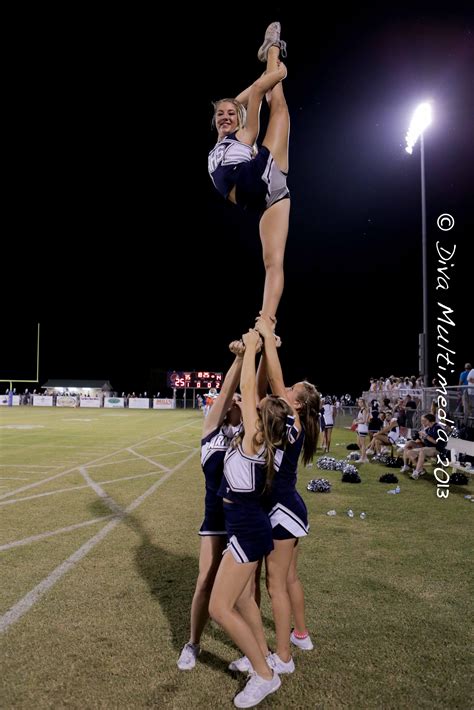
421	119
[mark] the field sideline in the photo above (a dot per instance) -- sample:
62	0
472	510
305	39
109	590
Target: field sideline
99	551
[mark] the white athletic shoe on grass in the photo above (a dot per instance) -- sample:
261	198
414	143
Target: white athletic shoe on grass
274	662
305	643
279	666
187	658
256	690
242	665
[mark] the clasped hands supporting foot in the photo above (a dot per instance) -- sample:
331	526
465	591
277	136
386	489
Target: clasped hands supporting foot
237	347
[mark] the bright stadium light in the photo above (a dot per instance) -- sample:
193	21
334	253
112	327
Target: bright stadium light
421	120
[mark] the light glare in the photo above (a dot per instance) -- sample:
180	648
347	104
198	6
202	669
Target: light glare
421	120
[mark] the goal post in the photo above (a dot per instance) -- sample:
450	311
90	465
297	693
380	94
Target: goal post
14	380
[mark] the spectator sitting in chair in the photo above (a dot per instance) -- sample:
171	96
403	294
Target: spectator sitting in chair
415	443
432	445
387	437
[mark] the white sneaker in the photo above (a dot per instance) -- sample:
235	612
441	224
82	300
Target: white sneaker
187	659
404	469
306	644
256	690
272	34
242	665
279	666
272	39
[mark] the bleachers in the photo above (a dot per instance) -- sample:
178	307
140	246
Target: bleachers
460	446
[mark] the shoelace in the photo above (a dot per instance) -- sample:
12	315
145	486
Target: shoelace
190	651
254	683
282	45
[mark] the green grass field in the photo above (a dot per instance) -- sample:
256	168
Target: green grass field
99	549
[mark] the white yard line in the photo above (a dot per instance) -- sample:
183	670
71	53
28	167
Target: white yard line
34	595
80	488
170	453
12	478
145	458
176	443
111	463
24	465
108	500
134	458
84	463
42	536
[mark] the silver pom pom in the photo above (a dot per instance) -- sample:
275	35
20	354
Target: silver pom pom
319	485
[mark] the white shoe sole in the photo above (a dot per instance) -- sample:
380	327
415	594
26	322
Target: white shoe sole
307	641
252	703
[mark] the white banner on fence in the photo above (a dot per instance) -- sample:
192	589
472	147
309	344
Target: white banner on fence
90	401
65	401
114	402
138	403
4	400
42	400
163	403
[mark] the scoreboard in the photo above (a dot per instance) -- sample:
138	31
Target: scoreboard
200	380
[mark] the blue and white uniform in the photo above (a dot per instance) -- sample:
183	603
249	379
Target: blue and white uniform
258	181
213	451
394	432
249	531
287	510
362	419
327	413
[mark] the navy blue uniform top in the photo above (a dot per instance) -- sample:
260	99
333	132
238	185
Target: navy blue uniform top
432	431
286	466
213	450
225	160
244	476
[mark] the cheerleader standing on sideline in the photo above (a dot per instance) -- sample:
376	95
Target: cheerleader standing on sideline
362	422
328	412
220	426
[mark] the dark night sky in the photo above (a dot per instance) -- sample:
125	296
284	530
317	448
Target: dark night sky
118	244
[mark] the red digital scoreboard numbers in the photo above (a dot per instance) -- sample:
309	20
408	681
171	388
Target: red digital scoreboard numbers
200	380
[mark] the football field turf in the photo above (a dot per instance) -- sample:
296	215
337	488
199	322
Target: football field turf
99	553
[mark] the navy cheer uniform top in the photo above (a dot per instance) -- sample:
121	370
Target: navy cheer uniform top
213	451
244	476
287	510
225	161
249	532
